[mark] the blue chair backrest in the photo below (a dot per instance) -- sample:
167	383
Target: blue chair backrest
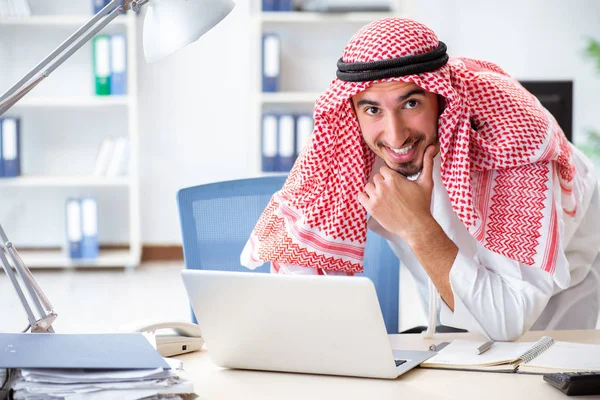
217	219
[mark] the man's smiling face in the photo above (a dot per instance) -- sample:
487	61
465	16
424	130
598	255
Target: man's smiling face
398	121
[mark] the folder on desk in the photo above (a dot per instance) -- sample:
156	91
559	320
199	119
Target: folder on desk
271	49
73	225
269	142
101	55
11	146
286	144
85	351
89	228
304	129
118	61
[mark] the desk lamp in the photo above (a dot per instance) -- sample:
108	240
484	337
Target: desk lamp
168	26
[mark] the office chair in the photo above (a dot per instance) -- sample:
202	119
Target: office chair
217	219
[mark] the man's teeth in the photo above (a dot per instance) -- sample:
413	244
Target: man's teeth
403	150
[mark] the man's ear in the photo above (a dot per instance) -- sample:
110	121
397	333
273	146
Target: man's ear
441	104
351	100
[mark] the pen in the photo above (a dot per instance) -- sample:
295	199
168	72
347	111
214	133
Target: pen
485	347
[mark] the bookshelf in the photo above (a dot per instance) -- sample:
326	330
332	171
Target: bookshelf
311	43
64	114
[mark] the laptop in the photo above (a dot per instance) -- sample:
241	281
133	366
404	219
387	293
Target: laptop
330	325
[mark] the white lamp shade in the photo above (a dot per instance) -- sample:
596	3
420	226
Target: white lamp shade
171	24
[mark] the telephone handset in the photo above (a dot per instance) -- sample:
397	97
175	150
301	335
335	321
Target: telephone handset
172	337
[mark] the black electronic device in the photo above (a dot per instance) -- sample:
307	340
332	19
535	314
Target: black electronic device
575	383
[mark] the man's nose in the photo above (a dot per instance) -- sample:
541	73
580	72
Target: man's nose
396	131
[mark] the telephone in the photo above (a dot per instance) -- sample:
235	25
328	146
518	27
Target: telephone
172	337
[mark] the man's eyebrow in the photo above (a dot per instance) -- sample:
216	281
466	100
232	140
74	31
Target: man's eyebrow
402	98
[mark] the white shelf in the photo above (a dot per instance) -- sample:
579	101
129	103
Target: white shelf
289	97
317	17
124	122
58	258
53	20
64	181
75	101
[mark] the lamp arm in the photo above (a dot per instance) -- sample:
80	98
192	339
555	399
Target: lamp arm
63	52
45	310
15	283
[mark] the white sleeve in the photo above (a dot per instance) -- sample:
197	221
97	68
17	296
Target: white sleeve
496	296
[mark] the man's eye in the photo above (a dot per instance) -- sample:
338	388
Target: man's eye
411	104
371	110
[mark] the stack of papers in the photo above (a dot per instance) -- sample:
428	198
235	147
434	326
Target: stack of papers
3	383
74	384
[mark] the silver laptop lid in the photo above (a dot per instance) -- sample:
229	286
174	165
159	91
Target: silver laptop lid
309	324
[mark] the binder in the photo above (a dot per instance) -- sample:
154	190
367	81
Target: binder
118	61
285	5
286	146
21	8
74	234
104	156
89	228
101	54
11	146
270	62
304	129
270	5
119	160
269	143
98	5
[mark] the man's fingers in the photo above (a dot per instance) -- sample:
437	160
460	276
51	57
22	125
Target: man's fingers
377	179
363	199
370	188
427	172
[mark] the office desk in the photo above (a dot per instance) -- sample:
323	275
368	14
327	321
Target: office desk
212	382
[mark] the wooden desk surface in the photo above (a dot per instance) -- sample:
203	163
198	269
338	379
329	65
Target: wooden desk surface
212	382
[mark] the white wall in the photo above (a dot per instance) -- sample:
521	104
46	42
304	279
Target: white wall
194	113
195	116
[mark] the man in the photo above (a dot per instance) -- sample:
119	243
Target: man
479	192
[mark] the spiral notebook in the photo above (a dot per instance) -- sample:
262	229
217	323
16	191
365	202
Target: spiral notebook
544	356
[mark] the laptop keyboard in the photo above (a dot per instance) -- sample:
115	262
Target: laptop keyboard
399	362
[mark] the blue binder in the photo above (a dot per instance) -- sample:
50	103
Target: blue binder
270	5
118	63
304	129
269	142
1	156
11	146
285	5
89	228
98	5
73	222
286	142
271	49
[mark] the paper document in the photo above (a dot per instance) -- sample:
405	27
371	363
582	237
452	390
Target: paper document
77	384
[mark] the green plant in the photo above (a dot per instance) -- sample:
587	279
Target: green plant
591	147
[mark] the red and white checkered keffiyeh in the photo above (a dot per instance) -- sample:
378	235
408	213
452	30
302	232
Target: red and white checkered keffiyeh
503	179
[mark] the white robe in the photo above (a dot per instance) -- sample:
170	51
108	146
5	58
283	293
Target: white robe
499	297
